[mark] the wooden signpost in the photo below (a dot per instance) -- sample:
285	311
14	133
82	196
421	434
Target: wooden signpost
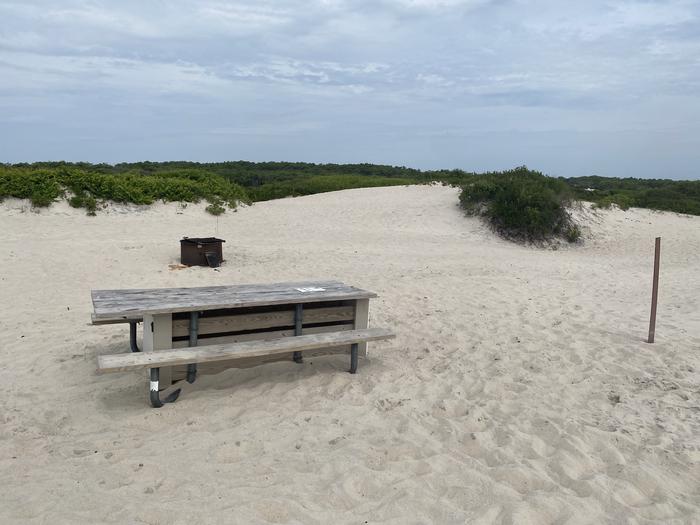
654	291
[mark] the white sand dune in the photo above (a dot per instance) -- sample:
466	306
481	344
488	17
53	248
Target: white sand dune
519	389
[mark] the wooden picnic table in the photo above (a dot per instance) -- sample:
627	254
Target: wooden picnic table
111	305
218	316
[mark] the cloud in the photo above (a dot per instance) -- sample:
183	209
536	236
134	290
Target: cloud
431	79
285	70
594	21
40	73
384	75
439	5
244	17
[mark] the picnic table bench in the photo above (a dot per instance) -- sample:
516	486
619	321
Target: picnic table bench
204	330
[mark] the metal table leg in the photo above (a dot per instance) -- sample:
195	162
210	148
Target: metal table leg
194	330
298	321
156	402
132	336
353	358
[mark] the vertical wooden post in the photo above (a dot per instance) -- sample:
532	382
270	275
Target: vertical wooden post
158	335
361	321
654	291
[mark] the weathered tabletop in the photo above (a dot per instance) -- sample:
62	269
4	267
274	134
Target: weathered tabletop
110	304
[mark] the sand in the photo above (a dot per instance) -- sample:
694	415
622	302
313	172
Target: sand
519	388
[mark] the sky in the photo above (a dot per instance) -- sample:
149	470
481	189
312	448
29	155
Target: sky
568	88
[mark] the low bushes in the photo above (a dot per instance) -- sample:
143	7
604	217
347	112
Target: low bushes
271	180
521	204
681	196
321	184
44	185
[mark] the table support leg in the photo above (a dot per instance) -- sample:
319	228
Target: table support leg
298	321
353	358
132	336
194	329
154	395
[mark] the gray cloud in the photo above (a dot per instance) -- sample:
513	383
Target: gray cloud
594	87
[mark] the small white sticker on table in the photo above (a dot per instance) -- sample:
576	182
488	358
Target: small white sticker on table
311	289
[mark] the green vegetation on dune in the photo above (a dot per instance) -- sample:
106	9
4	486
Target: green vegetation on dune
658	194
86	187
321	184
222	183
225	183
521	204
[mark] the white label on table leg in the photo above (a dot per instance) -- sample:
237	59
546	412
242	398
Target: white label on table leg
154	386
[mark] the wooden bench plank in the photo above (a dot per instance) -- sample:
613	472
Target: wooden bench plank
210	353
110	304
179	372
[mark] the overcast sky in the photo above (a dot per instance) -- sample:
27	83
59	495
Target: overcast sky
569	88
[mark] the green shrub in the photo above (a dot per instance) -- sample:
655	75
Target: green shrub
622	201
321	184
43	196
215	208
90	204
77	201
43	185
682	196
521	204
572	233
